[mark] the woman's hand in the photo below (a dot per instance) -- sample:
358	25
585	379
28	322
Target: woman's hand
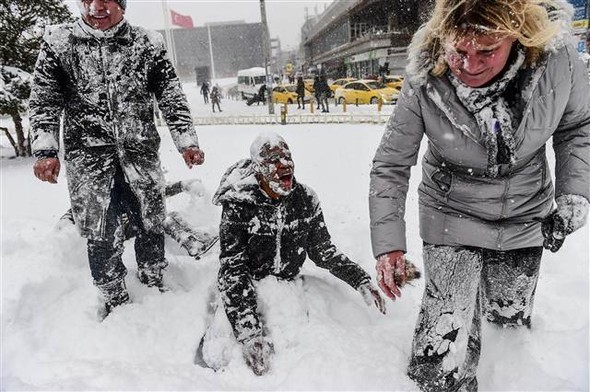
391	273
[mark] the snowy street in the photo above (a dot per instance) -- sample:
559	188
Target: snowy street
325	337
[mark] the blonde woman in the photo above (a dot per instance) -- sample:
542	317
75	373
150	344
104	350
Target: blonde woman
489	83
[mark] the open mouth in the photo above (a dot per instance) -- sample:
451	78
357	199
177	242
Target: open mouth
286	180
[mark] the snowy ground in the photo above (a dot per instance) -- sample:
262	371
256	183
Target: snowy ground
325	337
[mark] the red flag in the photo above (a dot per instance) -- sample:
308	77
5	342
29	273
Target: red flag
181	20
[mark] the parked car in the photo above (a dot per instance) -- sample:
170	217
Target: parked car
394	81
287	93
336	84
366	91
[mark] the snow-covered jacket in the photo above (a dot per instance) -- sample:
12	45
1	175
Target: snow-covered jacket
260	236
459	203
104	83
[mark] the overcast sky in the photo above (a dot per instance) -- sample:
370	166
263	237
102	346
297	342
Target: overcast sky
285	17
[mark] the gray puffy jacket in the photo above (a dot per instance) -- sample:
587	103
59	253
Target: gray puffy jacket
459	204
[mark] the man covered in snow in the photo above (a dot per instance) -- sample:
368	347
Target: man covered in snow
269	224
102	74
489	83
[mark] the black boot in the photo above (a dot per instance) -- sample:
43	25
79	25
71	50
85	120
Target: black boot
153	276
114	294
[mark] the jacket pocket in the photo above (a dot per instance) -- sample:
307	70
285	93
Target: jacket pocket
443	179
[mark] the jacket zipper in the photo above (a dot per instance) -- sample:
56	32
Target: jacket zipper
280	227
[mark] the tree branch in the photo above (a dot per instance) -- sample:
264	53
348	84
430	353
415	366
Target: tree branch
10	139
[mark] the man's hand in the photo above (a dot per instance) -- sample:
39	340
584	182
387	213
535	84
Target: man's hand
257	352
47	169
371	296
193	156
391	273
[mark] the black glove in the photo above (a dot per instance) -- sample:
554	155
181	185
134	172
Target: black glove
257	352
553	229
371	296
570	215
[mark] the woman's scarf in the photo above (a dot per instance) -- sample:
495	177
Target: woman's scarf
493	114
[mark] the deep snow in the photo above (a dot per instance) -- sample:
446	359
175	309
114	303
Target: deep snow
325	337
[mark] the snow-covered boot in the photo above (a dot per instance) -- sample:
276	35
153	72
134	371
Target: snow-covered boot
153	276
196	241
114	294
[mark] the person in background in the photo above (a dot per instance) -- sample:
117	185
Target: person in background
489	83
216	98
317	91
270	223
102	74
262	94
205	92
300	89
324	91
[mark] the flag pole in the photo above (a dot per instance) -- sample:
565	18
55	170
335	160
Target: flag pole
211	53
169	35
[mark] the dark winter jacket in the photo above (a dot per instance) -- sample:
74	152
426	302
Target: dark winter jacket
205	88
104	83
300	90
215	95
459	203
261	237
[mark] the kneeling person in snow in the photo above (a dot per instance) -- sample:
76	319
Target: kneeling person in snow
102	74
269	224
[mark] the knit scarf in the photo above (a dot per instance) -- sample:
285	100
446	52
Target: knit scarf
493	114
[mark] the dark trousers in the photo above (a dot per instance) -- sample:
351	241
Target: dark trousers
300	101
462	283
122	221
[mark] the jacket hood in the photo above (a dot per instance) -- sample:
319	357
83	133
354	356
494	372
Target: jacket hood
421	61
238	184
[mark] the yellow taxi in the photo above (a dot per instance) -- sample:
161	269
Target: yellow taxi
336	84
366	92
394	81
287	93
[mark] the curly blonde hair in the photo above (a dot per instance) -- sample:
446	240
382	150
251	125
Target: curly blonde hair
527	21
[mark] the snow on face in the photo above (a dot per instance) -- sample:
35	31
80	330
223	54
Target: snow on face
101	14
477	59
272	158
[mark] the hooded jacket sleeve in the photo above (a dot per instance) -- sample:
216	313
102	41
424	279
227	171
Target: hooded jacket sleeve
326	255
171	99
571	140
234	280
46	103
390	175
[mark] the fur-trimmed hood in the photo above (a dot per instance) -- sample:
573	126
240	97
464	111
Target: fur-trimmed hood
421	61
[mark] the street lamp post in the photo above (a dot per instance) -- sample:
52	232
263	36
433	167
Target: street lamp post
267	56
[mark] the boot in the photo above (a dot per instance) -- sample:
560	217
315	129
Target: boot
114	294
153	276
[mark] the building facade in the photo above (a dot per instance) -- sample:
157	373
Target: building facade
362	37
356	38
234	46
